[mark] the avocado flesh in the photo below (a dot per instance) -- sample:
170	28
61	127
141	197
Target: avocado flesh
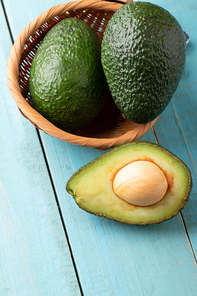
67	82
92	189
143	55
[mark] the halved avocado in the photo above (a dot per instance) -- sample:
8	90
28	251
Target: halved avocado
92	185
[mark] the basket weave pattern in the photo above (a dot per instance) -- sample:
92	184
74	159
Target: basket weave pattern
109	129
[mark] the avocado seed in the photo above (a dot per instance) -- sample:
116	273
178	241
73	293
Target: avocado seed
141	183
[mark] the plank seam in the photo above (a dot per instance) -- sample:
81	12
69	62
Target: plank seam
59	210
181	215
179	125
187	235
7	22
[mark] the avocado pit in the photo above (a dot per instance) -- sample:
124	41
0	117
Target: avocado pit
141	183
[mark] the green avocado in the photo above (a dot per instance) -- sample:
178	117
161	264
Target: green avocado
143	54
92	185
67	82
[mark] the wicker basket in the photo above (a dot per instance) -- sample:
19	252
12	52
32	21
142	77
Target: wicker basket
109	129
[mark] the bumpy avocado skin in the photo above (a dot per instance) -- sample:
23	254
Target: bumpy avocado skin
143	55
67	82
92	185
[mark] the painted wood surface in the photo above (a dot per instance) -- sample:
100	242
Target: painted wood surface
34	255
115	258
111	258
177	128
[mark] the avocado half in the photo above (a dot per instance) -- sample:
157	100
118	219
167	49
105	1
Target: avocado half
92	185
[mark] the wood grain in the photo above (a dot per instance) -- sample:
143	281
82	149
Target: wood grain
180	116
113	258
35	258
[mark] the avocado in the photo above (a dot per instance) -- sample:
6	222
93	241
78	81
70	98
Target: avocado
93	186
67	82
143	55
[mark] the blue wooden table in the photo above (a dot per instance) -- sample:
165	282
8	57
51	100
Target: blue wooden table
48	246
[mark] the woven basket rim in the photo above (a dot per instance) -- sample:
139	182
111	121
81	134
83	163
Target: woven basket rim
29	112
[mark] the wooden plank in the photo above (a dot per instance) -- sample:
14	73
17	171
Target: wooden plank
180	136
114	258
174	141
35	257
117	258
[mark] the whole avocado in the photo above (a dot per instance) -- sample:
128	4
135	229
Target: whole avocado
143	54
67	82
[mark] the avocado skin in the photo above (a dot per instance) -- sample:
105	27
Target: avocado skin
143	55
67	82
106	203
